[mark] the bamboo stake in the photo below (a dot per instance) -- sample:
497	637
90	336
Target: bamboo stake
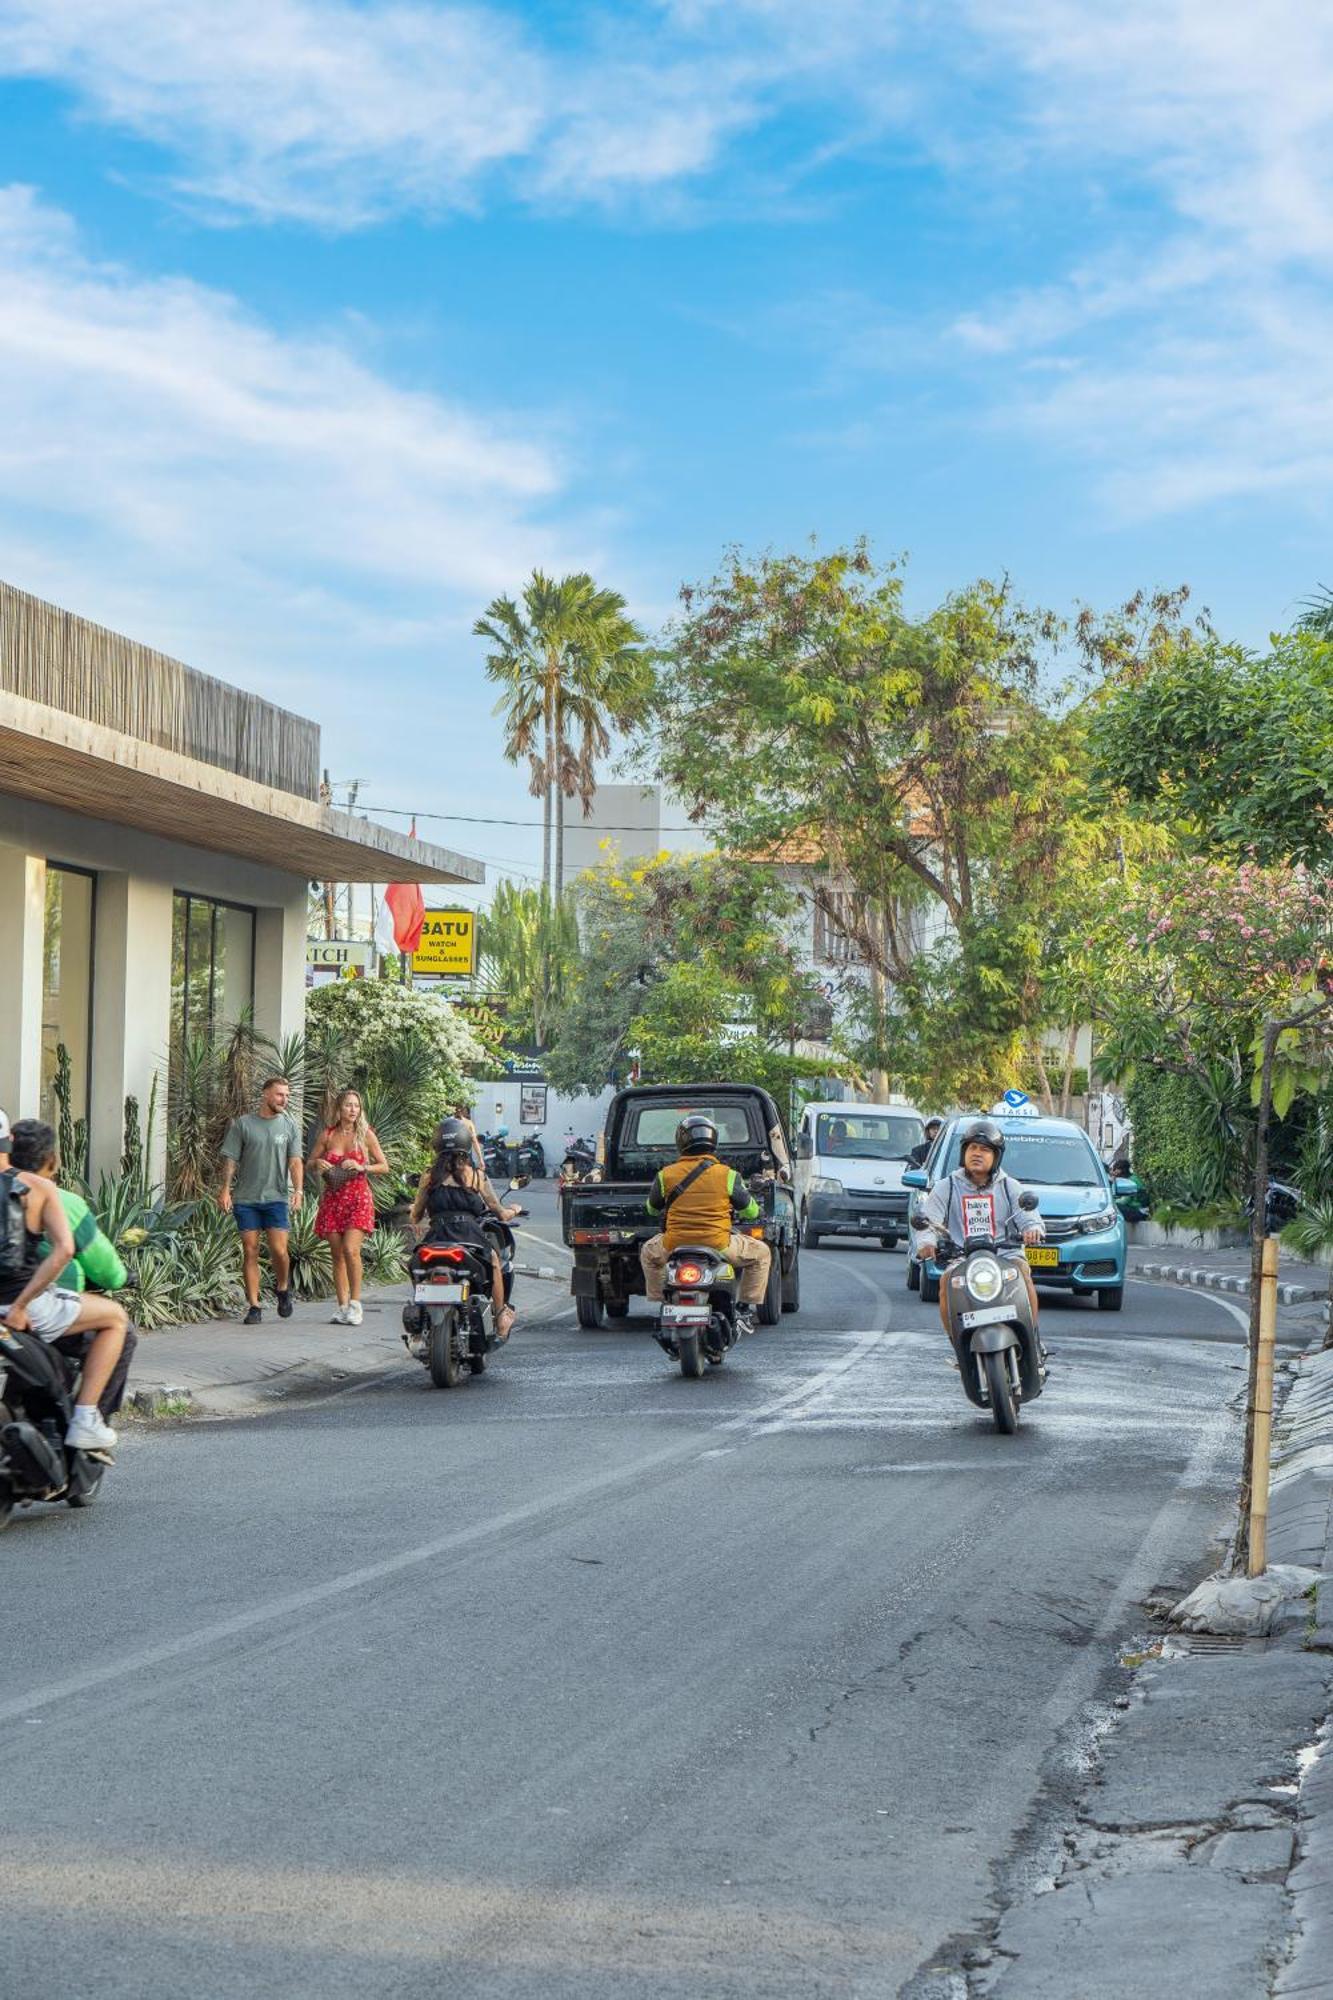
1263	1412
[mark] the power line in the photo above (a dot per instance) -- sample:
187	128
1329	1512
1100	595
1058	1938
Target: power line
477	819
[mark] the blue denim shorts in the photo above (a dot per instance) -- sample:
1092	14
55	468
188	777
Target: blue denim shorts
261	1215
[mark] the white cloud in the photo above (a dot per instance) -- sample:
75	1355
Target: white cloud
337	113
267	506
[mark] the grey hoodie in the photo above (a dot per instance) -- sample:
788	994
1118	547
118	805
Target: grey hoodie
944	1206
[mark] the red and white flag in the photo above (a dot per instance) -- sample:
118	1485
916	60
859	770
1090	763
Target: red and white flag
401	915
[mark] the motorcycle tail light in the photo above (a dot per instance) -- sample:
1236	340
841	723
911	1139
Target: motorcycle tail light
435	1253
688	1274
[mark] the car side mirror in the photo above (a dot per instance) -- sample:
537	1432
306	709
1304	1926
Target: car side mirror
805	1146
914	1177
1125	1189
1027	1199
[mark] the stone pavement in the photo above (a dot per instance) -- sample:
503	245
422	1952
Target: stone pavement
1200	1849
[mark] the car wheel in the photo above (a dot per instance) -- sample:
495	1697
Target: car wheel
1110	1298
809	1236
913	1275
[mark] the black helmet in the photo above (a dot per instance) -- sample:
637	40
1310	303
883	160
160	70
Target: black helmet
452	1136
696	1134
982	1132
932	1126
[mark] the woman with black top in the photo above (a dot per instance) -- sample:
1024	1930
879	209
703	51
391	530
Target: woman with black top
453	1197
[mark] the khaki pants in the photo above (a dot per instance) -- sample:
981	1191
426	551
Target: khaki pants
750	1254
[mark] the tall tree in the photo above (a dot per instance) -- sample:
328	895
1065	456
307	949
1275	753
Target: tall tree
529	956
569	662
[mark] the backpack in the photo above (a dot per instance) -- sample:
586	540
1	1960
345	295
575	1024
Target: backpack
16	1265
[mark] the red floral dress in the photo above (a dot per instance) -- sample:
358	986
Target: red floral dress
350	1205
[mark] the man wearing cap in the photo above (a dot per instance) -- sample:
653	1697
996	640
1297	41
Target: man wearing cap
35	1246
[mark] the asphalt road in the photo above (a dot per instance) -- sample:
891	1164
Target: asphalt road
584	1680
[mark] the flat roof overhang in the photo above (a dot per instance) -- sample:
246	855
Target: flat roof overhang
62	760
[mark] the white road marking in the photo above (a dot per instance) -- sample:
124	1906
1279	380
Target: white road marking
294	1602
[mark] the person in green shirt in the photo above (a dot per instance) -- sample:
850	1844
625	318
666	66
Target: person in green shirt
96	1262
260	1154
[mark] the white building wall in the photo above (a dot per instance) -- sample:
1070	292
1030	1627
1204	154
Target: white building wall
632	823
136	874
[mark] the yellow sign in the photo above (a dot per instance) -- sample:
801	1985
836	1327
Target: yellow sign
448	947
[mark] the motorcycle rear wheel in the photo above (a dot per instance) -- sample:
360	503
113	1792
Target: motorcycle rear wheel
1003	1404
445	1371
6	1490
691	1355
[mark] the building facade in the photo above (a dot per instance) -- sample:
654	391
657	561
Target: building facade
159	833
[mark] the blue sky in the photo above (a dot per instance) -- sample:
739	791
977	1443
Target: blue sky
321	323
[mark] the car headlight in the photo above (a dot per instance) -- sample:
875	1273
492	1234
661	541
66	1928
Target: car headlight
1103	1219
821	1184
985	1279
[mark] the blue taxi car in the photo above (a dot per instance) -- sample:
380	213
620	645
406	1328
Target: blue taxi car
1085	1245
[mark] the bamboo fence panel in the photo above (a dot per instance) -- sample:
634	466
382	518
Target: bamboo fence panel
49	655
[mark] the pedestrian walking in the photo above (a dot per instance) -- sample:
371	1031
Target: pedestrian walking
261	1154
345	1156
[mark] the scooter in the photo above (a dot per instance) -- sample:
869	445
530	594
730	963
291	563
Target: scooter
449	1324
580	1156
37	1385
991	1325
699	1319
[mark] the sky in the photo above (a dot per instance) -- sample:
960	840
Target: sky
322	322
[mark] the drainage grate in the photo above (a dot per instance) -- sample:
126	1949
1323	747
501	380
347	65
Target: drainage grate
1189	1645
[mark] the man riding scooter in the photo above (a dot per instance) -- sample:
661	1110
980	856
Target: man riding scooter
696	1198
36	1245
980	1179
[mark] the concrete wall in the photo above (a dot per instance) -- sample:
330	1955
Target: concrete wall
137	875
631	823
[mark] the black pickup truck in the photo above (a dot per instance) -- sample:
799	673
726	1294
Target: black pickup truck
605	1221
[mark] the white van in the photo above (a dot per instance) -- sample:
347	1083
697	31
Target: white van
849	1170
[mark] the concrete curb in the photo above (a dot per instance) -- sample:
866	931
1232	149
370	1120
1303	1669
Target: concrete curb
1221	1281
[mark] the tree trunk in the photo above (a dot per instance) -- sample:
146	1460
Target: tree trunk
1067	1086
549	721
559	805
1258	1229
1043	1076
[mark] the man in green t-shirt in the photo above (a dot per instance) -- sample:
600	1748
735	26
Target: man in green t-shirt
260	1154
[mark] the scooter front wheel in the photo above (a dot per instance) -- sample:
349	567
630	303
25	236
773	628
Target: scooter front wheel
1003	1403
691	1355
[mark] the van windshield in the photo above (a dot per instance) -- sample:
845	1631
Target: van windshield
868	1135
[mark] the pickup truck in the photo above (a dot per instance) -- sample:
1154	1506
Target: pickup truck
606	1221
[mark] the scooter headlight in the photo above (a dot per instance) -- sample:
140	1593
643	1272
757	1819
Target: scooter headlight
985	1280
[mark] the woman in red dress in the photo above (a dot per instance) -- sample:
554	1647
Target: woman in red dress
346	1155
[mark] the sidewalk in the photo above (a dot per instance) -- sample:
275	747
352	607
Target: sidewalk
1227	1271
219	1368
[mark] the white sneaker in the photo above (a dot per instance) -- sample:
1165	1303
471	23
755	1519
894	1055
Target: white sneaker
340	1315
87	1432
354	1313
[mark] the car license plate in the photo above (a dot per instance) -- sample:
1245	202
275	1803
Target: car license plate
440	1295
1044	1259
685	1315
987	1316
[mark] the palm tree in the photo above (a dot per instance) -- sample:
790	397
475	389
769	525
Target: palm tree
568	661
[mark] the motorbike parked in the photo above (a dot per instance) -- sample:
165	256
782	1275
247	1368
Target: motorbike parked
699	1318
580	1158
37	1385
991	1324
449	1322
526	1156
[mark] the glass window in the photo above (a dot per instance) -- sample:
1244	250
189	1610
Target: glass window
653	1128
67	990
1052	1159
868	1135
212	967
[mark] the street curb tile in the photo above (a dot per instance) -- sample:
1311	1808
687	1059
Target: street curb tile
1221	1281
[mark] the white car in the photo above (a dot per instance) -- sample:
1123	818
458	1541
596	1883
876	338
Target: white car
850	1159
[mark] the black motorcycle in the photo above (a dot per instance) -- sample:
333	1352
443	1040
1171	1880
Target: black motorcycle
991	1323
449	1322
699	1317
580	1158
37	1385
526	1156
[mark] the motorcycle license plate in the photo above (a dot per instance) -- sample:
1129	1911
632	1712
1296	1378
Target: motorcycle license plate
685	1315
440	1295
1041	1257
986	1316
